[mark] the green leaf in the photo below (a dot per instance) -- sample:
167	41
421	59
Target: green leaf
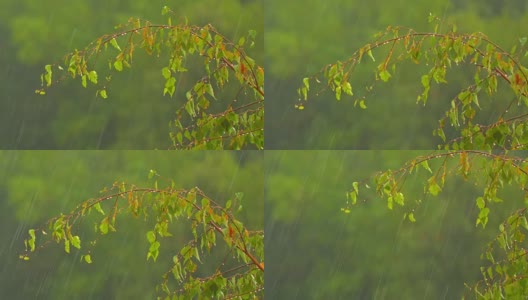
88	258
92	76
362	104
47	76
179	137
441	134
151	236
425	165
338	93
385	75
483	216
399	198
170	86
209	90
153	250
166	72
241	41
411	217
103	227
118	65
97	207
347	88
369	52
434	188
113	42
481	203
31	241
355	185
67	246
151	174
205	203
425	81
306	82
76	242
197	254
439	75
522	41
103	94
353	197
189	107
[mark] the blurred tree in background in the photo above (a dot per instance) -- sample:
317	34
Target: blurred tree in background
138	115
39	185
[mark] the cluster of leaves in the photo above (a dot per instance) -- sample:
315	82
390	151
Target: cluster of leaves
442	51
494	172
506	278
196	126
209	220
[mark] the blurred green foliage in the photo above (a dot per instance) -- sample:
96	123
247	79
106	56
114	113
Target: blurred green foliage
39	185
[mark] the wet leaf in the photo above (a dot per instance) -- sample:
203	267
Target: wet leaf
76	242
113	42
151	236
411	217
88	258
385	75
31	241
